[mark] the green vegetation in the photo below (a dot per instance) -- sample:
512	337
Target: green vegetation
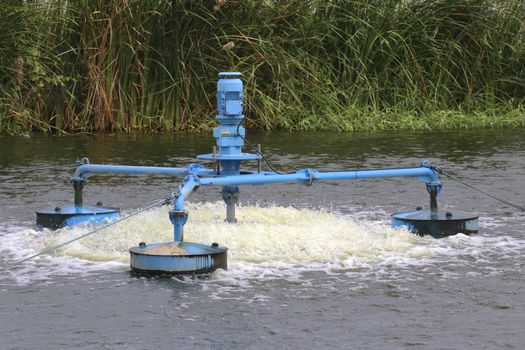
125	65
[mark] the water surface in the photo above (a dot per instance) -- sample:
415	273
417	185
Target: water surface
309	267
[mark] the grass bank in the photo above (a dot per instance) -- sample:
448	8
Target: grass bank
125	65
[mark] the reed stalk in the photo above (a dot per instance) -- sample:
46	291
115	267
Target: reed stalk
127	65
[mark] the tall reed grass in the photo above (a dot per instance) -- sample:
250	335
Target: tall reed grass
124	65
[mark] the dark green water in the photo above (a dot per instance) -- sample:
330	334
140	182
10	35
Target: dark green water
318	268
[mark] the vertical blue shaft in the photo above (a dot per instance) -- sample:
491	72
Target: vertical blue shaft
228	134
178	215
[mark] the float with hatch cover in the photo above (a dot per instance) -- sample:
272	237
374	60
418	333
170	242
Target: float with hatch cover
181	257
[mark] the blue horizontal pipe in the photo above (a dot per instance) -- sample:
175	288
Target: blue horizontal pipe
421	174
254	179
308	175
87	170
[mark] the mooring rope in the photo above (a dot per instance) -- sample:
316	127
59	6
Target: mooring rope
442	172
159	202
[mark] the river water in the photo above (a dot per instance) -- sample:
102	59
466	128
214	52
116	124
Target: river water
309	267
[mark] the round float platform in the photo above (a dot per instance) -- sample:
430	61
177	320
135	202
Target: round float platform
422	222
58	217
177	258
241	156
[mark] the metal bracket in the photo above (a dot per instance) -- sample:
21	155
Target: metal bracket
184	181
178	218
78	184
433	166
194	168
310	174
82	161
434	188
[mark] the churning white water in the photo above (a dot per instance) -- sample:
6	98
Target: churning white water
271	239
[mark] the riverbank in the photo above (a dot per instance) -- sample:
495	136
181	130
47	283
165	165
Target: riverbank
307	65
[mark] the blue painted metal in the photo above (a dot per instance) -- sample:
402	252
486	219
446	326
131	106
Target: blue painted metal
87	170
177	258
436	224
74	215
48	218
309	176
305	177
178	215
243	156
229	134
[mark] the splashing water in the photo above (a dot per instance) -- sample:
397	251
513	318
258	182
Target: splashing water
272	239
262	235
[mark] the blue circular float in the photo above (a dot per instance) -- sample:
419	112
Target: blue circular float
54	218
436	224
176	258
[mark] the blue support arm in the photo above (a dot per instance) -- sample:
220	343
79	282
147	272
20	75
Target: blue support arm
308	176
186	187
87	170
178	215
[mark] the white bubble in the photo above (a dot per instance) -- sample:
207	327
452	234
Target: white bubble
267	242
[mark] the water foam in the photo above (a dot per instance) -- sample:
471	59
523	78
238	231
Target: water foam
267	242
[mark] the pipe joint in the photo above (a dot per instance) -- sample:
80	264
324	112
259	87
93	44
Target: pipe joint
434	187
195	169
306	177
178	217
82	161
